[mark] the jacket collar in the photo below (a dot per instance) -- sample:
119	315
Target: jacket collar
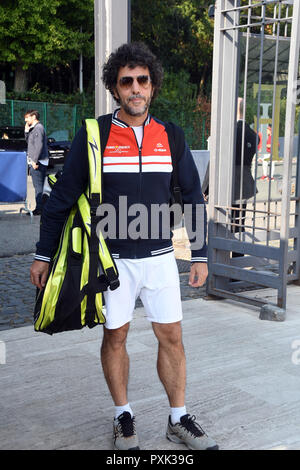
120	123
33	126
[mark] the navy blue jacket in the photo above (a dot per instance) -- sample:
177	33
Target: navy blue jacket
141	176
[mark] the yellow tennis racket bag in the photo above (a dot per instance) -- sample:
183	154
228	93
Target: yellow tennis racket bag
82	268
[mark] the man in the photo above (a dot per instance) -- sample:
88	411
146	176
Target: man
133	167
245	137
37	152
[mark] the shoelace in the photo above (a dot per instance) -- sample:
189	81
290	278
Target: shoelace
126	424
190	424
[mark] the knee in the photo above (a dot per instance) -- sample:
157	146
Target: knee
115	339
169	335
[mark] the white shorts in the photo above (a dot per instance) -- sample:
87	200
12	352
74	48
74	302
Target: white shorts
155	280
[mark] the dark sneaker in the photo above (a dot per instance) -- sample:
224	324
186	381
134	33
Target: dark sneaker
125	436
190	433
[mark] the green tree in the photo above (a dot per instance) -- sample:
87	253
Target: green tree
179	32
44	32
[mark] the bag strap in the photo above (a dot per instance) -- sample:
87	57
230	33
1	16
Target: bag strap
95	152
104	128
95	165
95	198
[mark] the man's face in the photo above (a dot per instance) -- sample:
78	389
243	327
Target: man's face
29	119
134	90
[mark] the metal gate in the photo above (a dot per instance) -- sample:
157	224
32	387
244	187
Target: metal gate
254	223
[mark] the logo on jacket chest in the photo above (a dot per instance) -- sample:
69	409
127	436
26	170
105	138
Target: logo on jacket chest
160	148
118	149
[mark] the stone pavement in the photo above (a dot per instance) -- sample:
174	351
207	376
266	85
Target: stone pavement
243	382
16	292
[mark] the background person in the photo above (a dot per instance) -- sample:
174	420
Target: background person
266	158
37	154
242	170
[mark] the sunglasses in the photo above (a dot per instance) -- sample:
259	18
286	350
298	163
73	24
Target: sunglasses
143	80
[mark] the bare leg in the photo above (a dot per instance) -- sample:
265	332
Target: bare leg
171	364
115	363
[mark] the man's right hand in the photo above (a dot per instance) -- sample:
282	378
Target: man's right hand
39	273
34	165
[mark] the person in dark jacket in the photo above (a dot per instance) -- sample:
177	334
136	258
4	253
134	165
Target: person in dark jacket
37	154
137	165
244	187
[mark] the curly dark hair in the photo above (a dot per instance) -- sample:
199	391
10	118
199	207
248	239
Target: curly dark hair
132	55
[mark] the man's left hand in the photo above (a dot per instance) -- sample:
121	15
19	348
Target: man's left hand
34	165
198	274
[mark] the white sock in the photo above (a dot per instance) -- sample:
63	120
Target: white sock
176	414
120	409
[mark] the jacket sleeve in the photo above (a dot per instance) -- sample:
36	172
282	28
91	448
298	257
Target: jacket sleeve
194	206
64	194
36	143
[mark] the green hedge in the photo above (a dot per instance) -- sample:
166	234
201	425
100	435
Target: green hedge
177	102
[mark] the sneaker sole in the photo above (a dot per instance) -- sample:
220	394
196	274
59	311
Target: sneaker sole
177	440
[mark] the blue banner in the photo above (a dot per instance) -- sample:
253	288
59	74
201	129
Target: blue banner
13	176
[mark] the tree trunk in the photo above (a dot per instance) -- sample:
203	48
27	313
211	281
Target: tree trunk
202	81
21	78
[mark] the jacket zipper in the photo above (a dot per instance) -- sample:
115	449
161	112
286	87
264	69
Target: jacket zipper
140	174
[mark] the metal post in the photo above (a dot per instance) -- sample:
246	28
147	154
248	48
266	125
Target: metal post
297	207
12	112
288	150
81	70
111	30
223	132
214	144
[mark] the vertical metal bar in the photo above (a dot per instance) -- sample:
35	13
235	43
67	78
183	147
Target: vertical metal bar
215	136
262	37
232	108
12	112
273	119
297	208
224	104
274	17
111	21
288	148
244	121
286	24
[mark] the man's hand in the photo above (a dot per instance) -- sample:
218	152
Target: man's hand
198	274
34	165
39	273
